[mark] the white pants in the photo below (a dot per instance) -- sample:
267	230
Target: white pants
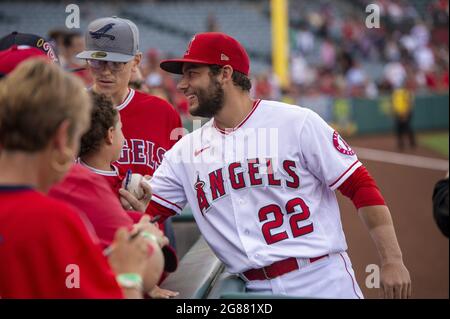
329	277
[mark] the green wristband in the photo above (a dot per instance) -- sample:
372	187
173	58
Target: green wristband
150	236
130	280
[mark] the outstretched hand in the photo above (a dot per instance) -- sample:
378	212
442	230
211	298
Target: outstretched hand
130	202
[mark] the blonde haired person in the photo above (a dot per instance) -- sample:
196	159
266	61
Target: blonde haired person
45	247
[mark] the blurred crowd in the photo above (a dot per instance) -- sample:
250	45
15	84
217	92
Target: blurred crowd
332	55
337	55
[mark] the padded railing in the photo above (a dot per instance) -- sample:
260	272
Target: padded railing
196	272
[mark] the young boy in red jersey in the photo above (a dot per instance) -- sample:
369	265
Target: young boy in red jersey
100	148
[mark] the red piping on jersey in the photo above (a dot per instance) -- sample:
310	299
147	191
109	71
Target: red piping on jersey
255	105
356	162
156	209
353	281
169	202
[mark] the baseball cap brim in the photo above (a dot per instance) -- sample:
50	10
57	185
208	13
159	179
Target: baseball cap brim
176	65
105	56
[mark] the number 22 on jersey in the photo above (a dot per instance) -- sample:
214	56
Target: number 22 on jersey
295	217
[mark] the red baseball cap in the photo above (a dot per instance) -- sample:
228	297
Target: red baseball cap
12	57
31	40
211	48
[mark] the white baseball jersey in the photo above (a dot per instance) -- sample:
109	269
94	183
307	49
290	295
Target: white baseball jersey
263	191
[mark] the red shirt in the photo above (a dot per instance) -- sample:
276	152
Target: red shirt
113	177
93	197
148	124
91	194
42	243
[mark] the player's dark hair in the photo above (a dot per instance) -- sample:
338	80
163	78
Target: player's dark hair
239	79
68	38
103	116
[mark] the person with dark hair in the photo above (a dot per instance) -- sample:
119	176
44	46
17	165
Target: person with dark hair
100	147
151	125
260	177
102	144
72	44
56	38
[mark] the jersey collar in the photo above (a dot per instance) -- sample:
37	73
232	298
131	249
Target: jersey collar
100	171
126	101
229	131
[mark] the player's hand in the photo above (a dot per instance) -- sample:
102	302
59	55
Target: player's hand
395	281
128	256
130	202
159	293
144	225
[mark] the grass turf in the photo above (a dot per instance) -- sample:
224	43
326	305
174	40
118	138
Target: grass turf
436	141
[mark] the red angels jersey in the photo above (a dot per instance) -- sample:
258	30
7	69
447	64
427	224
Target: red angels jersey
41	239
114	177
151	126
264	191
91	195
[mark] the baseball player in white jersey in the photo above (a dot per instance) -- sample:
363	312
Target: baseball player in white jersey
260	178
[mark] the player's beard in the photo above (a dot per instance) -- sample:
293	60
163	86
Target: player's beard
210	100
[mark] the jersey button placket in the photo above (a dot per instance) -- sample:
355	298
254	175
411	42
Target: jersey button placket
241	218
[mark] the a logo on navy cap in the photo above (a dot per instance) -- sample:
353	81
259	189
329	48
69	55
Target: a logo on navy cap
102	32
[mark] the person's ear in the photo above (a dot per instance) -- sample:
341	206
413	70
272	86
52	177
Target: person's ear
62	148
109	139
136	61
227	73
61	139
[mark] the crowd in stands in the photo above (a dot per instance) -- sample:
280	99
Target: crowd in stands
332	55
337	55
